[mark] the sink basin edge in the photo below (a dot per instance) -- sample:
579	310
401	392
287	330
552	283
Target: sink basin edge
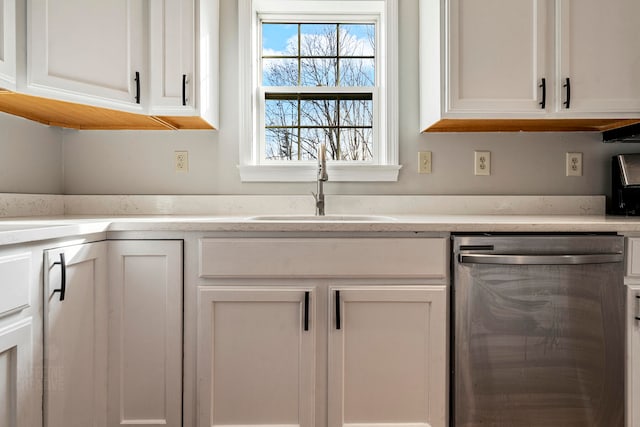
323	218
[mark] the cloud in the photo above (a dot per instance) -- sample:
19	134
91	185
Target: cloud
324	44
272	52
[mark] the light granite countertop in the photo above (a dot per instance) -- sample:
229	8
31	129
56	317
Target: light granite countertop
19	230
25	218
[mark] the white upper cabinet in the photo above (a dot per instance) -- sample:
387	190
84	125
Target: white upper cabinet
599	51
183	55
171	49
505	59
88	52
496	65
8	44
156	58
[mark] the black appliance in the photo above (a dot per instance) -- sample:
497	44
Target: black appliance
629	133
625	185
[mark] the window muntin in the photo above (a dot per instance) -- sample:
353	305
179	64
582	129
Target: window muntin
318	54
318	85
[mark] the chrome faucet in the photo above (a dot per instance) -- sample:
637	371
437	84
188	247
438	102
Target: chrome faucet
322	177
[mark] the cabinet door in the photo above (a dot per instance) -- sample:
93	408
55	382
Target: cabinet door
633	355
145	333
172	25
8	44
75	337
599	52
256	361
87	51
17	386
497	51
388	356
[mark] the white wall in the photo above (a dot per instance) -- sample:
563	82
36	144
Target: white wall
128	162
30	157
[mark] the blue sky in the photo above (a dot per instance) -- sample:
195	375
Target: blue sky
275	37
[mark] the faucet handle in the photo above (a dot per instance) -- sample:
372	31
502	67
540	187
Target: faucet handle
315	196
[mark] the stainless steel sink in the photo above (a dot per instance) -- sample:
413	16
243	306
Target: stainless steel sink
323	218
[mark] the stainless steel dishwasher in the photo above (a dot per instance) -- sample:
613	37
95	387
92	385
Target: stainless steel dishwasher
538	331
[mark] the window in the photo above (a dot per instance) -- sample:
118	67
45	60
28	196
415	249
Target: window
313	72
330	63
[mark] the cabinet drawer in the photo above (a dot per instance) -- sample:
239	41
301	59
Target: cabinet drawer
324	257
15	282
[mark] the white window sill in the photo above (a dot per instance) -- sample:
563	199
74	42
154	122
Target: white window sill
307	173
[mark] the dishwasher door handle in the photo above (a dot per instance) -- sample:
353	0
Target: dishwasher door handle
516	259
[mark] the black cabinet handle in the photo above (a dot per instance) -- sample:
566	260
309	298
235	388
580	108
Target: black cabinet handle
137	79
543	85
637	297
567	84
184	89
63	277
338	325
306	311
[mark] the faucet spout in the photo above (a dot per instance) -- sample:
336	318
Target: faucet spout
321	178
319	196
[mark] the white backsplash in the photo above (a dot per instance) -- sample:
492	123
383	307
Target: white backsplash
303	204
21	205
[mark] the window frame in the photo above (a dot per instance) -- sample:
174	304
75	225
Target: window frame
253	167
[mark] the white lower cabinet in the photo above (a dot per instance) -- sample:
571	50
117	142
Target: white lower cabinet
632	280
113	334
350	348
633	355
145	333
258	348
21	335
17	386
256	356
75	333
388	356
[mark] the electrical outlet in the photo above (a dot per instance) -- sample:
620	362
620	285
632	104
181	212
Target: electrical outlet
424	162
181	161
482	163
574	164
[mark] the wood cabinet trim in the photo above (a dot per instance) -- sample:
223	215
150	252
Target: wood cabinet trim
528	125
77	116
